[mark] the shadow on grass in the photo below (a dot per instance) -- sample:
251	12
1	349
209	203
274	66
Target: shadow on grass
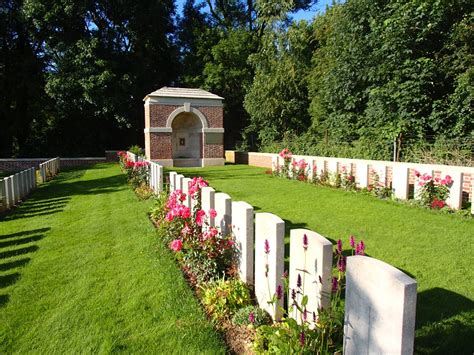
53	197
14	240
444	323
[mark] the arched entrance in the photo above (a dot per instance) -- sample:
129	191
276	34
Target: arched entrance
186	139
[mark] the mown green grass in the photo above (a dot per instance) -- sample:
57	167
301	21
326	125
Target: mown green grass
82	271
436	249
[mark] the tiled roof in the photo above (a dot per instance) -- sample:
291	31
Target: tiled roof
184	92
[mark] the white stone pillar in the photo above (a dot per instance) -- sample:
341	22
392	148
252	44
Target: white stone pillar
187	200
400	176
269	262
207	202
362	175
172	180
455	193
320	166
311	264
223	206
332	166
179	182
160	178
380	308
8	192
242	220
422	170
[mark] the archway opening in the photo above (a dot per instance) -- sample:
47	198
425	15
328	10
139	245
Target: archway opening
186	137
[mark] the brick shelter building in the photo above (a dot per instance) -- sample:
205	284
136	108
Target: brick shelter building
184	127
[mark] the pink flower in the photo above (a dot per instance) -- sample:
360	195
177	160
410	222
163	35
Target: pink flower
230	243
305	241
251	318
186	230
267	247
339	247
352	241
335	284
341	264
360	248
212	213
417	173
210	233
437	204
176	245
200	216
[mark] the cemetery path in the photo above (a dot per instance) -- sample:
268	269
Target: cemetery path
81	271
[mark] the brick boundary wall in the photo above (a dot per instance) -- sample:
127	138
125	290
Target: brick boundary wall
264	160
14	165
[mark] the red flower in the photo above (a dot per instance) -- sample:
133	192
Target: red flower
437	204
200	215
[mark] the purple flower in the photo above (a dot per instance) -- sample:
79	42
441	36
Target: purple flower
279	292
285	275
305	315
341	264
320	279
352	241
335	284
293	294
360	248
251	318
339	247
305	241
298	281
302	339
267	247
314	317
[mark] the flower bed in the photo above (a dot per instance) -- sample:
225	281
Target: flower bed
138	174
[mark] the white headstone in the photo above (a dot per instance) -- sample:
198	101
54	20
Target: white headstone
455	193
310	169
332	166
187	200
179	182
362	174
381	171
207	201
400	174
320	166
422	170
8	193
269	264
223	207
242	220
173	181
311	263
380	308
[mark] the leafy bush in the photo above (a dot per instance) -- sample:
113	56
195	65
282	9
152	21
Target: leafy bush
433	191
223	298
137	150
144	192
253	315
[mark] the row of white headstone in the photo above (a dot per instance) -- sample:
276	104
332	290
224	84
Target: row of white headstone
400	174
14	188
49	168
380	300
155	172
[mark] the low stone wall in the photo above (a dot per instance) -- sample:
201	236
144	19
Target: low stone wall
26	163
263	160
22	164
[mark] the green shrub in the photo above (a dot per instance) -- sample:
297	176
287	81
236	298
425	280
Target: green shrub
137	150
223	298
252	315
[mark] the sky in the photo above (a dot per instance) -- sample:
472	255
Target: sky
320	7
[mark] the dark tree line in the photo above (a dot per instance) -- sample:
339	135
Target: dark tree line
355	80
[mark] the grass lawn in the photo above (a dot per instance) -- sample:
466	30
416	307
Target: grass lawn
81	271
436	249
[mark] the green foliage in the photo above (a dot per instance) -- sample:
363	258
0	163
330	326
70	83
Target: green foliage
223	298
277	100
252	315
137	150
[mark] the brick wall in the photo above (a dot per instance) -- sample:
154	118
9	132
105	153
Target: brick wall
160	146
159	114
213	151
214	115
